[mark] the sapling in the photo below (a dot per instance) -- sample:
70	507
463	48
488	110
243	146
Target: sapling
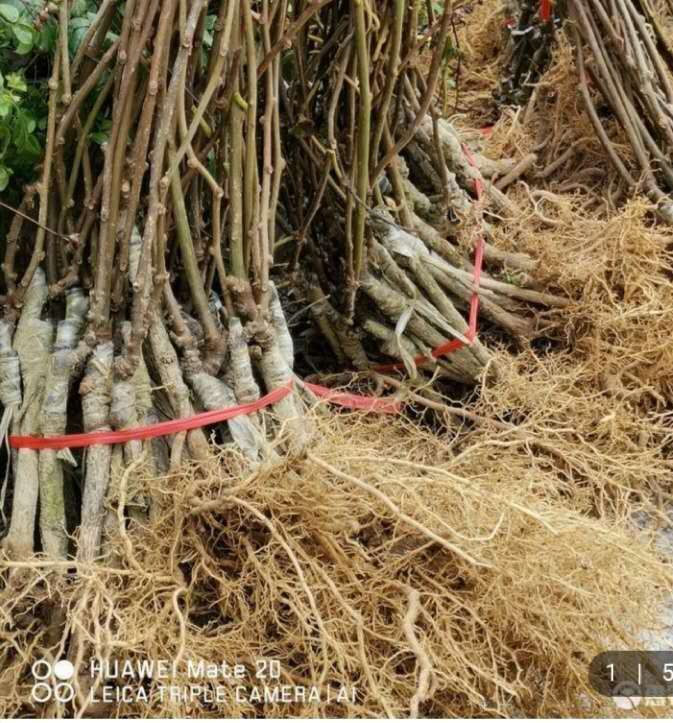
192	182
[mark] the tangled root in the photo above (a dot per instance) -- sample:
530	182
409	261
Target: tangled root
426	578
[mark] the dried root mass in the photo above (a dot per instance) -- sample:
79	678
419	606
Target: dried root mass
419	579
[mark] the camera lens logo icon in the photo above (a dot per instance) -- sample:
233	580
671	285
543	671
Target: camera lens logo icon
625	695
51	681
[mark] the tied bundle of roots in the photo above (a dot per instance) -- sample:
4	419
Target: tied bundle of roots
137	274
437	581
380	207
246	141
623	67
624	53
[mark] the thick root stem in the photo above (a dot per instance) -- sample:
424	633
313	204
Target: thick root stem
96	391
215	394
63	366
32	342
276	373
170	374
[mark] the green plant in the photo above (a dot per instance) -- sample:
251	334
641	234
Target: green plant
20	126
28	37
16	28
22	104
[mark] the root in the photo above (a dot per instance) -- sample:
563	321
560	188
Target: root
168	369
64	366
123	415
215	394
424	665
96	390
10	396
32	342
276	374
301	564
462	365
282	333
370	489
240	371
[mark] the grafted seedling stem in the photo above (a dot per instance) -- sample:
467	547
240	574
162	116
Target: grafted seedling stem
292	153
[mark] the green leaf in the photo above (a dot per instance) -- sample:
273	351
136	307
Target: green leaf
23	48
9	13
20	131
48	37
78	28
6	105
32	146
4	178
100	137
79	7
17	82
24	34
79	23
4	139
102	133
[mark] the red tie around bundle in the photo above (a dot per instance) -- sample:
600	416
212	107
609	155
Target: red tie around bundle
161	429
343	399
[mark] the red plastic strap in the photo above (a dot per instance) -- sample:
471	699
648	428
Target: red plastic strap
71	441
381	405
344	399
545	10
